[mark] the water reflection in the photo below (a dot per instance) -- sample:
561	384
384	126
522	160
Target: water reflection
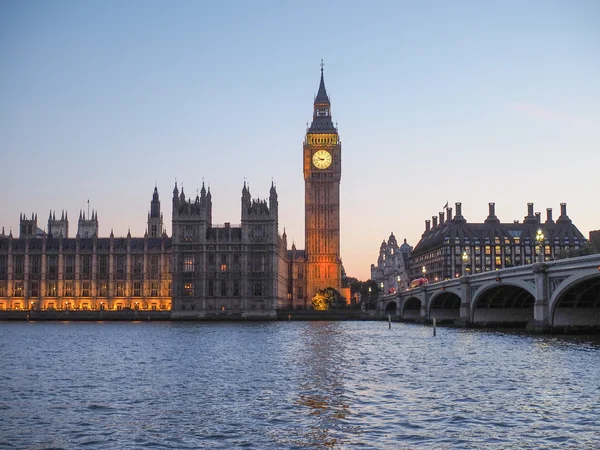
321	385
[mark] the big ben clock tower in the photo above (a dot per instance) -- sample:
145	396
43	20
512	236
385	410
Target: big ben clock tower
322	173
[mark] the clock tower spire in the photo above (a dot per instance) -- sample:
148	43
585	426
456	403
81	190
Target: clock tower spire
322	174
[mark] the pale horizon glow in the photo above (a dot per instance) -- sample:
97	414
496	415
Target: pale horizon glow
436	102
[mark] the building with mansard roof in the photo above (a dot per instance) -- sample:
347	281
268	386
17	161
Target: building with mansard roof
451	246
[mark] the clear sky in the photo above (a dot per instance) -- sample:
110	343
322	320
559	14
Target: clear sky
436	101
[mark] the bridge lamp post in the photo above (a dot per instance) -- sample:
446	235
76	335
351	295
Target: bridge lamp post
465	259
424	271
539	237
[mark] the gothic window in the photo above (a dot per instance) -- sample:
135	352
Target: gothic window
137	266
188	263
51	289
211	261
102	289
258	289
121	265
236	288
154	289
137	288
211	288
85	288
18	289
70	264
3	265
86	265
120	288
52	264
35	289
35	264
154	266
188	289
68	289
223	288
103	264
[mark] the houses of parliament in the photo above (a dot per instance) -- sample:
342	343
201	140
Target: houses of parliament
202	267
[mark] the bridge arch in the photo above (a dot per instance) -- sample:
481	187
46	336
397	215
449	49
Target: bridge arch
390	308
504	304
444	306
576	301
411	309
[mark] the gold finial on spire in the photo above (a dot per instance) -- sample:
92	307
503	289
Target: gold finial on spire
322	65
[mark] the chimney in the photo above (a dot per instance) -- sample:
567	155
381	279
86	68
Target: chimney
538	217
441	218
427	225
549	215
434	218
458	208
449	211
563	214
530	217
491	218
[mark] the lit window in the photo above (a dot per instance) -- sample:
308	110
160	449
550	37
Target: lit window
188	263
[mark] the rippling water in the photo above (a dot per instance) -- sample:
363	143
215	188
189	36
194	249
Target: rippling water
293	385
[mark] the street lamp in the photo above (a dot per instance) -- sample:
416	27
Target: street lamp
539	238
465	259
424	271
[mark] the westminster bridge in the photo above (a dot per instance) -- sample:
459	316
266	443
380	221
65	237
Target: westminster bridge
562	294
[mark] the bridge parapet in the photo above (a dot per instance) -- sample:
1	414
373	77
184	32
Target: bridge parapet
543	282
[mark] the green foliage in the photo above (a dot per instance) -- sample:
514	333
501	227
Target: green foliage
586	249
327	299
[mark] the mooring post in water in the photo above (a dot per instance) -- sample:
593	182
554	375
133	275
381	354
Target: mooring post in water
434	326
389	321
289	317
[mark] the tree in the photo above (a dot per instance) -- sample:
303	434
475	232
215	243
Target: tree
586	249
327	299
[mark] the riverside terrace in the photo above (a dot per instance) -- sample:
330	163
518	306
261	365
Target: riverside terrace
562	295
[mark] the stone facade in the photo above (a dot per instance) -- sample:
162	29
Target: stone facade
393	264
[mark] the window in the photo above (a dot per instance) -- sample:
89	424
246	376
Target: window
103	266
188	289
188	263
498	261
154	289
34	261
223	267
121	265
211	288
68	289
498	250
35	289
211	261
18	289
137	288
70	264
223	288
85	288
258	289
86	264
154	266
18	265
102	289
120	288
51	289
52	264
137	266
236	288
2	288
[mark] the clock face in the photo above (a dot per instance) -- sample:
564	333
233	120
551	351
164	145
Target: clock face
322	159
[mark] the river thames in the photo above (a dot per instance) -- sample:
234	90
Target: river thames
293	385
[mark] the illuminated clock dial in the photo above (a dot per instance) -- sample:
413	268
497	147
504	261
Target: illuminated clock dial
322	159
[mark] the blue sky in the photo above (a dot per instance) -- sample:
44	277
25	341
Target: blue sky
435	101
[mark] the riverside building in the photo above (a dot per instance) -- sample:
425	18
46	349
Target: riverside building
451	247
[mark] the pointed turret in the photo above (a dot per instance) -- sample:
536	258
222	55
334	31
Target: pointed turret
322	109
